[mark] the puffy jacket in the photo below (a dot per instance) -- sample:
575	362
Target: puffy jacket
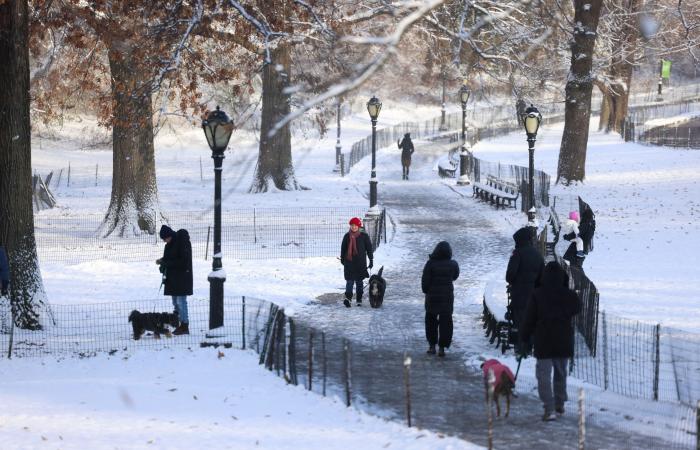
439	274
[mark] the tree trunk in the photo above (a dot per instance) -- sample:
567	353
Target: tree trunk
619	100
16	215
579	86
275	169
133	206
604	111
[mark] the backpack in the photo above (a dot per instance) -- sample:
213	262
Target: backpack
586	231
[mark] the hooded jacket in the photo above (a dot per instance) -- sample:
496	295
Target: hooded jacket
177	260
524	269
439	274
549	314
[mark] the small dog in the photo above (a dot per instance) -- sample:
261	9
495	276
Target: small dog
156	322
377	286
504	384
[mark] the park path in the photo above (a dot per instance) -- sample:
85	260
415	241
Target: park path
447	395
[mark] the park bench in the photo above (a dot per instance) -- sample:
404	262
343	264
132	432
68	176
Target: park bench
498	328
447	168
497	191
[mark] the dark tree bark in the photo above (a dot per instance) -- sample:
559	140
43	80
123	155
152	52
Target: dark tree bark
16	215
133	204
579	86
275	169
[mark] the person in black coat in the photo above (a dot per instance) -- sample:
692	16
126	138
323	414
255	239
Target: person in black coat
548	317
4	272
407	149
176	266
355	249
524	270
437	283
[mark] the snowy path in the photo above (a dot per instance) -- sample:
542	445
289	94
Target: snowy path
447	395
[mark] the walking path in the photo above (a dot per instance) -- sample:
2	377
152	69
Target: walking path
447	395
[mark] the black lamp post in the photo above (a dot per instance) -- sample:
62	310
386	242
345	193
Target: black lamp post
373	107
531	119
464	93
337	141
217	129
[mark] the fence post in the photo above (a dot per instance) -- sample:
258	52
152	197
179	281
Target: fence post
96	167
68	174
342	164
407	381
605	352
206	248
697	426
489	405
346	359
12	332
243	321
311	356
255	228
60	174
323	360
657	333
581	421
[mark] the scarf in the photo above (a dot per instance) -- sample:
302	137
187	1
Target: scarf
352	246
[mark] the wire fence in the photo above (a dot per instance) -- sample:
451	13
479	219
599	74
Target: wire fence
255	233
685	133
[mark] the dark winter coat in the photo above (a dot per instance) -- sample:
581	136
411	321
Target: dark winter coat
549	314
439	274
177	261
406	146
524	269
4	269
356	269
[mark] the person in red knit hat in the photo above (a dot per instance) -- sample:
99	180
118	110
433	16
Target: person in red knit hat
355	249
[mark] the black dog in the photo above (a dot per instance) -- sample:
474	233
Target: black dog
155	322
377	286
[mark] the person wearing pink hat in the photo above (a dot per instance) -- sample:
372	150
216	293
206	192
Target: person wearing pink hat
571	233
355	249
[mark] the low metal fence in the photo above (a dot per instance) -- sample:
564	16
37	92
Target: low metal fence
255	233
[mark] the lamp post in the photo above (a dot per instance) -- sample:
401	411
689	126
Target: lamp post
464	93
531	119
373	107
443	125
337	141
217	129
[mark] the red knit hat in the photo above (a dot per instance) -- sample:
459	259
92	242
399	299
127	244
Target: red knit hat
356	221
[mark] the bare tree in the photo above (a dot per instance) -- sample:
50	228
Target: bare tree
16	214
579	86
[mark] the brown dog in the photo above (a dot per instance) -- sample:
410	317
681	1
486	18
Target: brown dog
503	384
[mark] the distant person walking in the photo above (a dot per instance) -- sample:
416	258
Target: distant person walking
355	249
524	270
4	272
407	149
176	266
549	317
437	284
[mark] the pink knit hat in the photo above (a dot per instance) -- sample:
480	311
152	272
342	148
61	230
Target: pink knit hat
573	215
356	221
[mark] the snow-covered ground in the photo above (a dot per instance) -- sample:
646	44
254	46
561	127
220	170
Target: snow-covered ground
646	205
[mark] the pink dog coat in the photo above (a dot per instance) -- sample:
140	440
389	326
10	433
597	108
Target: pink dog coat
498	369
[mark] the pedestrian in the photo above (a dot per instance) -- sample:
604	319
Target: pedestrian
4	272
548	318
437	283
355	249
407	149
572	233
176	266
520	107
587	229
524	270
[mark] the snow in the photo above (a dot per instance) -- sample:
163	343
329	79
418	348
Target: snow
646	205
208	398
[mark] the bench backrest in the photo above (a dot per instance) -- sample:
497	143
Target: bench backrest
501	185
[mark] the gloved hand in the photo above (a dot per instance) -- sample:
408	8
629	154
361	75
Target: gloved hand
159	261
371	264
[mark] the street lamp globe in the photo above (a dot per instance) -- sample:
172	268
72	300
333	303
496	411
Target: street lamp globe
464	93
217	129
373	107
532	119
